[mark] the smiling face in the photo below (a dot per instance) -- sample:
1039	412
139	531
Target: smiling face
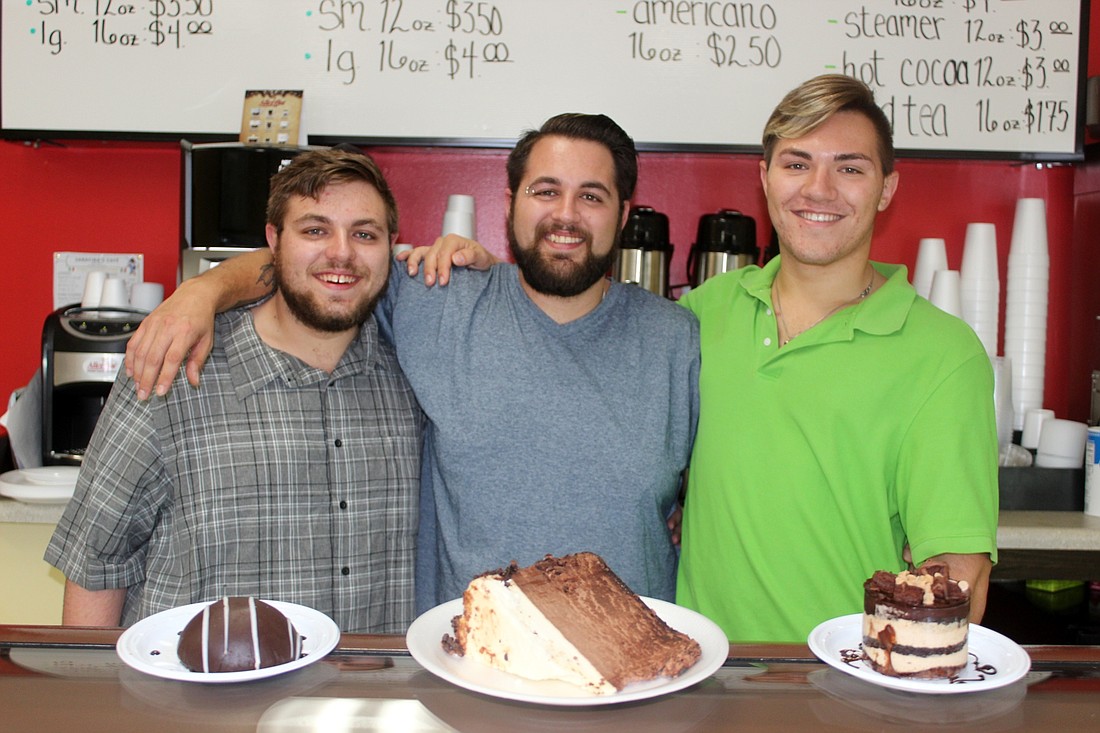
565	219
824	190
332	256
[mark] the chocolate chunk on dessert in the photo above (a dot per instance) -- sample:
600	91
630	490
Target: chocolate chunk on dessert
237	633
916	624
567	618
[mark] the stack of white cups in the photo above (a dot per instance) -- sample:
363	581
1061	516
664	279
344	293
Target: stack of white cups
1026	306
460	216
931	257
980	285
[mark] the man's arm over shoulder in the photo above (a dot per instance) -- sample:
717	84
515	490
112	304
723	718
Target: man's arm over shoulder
451	250
182	327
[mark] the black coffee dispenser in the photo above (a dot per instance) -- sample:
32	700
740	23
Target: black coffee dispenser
82	351
223	207
725	241
645	252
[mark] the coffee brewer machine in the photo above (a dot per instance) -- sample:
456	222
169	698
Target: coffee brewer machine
725	241
223	200
645	252
82	350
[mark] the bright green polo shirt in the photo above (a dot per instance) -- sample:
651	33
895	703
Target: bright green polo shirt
816	463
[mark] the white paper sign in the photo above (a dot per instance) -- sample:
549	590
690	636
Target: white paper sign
70	268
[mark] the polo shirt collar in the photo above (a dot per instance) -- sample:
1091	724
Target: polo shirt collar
253	364
893	300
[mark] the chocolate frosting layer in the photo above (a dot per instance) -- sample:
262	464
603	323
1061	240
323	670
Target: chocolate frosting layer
949	601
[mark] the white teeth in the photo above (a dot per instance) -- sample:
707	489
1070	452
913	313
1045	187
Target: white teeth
339	279
562	239
819	217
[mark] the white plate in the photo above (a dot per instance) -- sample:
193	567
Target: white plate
150	645
424	640
995	660
16	485
51	475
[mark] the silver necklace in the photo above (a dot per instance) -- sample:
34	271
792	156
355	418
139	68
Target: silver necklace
782	322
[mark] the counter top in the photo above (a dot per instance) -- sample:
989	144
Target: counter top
1017	530
1041	530
22	513
58	678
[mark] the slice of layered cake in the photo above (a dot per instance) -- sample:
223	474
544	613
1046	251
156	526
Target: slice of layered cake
571	619
916	624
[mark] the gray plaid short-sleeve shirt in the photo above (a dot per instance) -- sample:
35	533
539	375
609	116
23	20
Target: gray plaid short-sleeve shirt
273	479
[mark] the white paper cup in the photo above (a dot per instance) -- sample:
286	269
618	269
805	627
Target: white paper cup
946	294
979	258
931	256
1046	460
114	294
1064	439
460	223
146	296
1033	426
1029	229
93	288
461	202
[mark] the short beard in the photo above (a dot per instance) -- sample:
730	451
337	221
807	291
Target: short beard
559	276
310	312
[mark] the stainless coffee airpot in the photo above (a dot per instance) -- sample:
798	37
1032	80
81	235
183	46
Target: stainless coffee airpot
725	241
645	252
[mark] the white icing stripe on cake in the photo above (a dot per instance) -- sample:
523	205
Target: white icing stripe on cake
255	631
225	626
206	638
295	640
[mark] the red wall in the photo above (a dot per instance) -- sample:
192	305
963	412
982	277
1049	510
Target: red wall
124	197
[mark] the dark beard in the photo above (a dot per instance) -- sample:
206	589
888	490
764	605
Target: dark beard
310	313
558	276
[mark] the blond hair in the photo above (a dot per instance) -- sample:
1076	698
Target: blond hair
809	105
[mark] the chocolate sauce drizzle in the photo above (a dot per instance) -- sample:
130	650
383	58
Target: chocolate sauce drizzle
981	671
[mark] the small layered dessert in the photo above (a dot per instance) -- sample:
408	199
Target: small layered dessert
237	633
570	619
915	624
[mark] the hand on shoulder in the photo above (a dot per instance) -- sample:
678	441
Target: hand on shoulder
438	258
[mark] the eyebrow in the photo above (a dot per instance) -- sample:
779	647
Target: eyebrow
839	157
322	219
557	182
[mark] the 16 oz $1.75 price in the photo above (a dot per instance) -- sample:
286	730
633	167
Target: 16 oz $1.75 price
1038	116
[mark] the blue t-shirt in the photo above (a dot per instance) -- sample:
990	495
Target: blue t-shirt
545	437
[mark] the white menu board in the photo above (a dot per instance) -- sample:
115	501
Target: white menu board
961	77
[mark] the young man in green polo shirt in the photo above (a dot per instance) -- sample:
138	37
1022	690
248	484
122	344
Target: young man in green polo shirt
846	425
